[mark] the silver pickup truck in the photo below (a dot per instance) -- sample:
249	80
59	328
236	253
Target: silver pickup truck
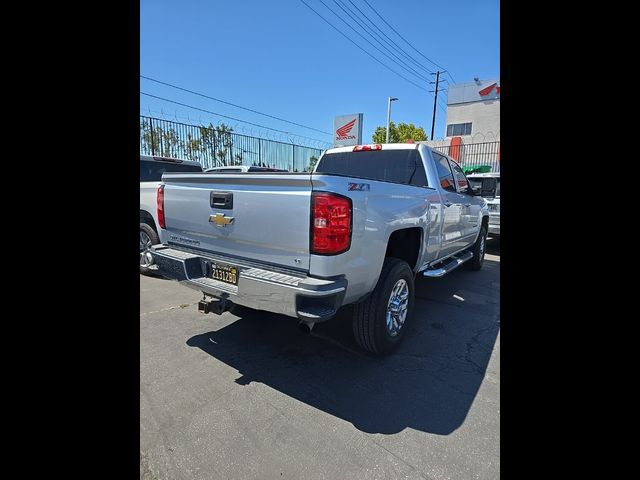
357	231
151	170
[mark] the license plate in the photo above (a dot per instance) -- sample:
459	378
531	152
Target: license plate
224	273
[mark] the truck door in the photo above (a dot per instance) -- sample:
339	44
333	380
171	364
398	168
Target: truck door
452	207
470	205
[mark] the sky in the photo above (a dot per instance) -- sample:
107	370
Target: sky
278	57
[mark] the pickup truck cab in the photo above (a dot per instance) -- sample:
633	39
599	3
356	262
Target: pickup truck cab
357	230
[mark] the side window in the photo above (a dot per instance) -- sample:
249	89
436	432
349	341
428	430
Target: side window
418	176
445	177
461	179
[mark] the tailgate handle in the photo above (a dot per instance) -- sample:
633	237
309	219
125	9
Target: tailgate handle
223	200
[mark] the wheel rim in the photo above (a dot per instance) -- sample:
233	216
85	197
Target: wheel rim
397	307
482	240
145	245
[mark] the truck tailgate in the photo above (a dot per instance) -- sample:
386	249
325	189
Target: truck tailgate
262	217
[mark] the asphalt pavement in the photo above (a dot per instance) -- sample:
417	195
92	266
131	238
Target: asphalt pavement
250	396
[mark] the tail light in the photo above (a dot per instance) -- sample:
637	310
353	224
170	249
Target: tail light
160	201
364	148
331	219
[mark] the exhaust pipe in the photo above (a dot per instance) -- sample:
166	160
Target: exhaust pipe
217	306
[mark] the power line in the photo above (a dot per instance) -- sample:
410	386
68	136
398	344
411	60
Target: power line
232	104
345	36
407	42
231	118
374	46
404	64
401	50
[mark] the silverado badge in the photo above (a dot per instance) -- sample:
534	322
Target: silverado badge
220	219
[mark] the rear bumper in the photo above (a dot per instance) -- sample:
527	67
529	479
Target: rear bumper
259	286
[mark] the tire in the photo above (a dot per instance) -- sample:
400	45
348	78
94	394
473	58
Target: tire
148	237
479	248
370	316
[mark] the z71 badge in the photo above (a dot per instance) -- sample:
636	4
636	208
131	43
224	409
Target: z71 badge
358	187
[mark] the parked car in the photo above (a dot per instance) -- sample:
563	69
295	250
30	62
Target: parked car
151	170
243	169
491	192
355	231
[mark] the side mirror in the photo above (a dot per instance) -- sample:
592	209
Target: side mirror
489	187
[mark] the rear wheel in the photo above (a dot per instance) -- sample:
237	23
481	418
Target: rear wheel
380	322
148	237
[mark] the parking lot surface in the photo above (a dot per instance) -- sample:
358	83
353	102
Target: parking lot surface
250	396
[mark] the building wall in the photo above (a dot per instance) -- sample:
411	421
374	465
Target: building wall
484	116
478	103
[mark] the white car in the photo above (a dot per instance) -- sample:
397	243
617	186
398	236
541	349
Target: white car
151	170
491	193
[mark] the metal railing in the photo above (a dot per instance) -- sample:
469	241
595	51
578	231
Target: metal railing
214	147
474	154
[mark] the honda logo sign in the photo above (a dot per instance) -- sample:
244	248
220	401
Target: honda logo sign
347	130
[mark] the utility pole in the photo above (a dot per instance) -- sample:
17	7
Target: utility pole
391	99
435	99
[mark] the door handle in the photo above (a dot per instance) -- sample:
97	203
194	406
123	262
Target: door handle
467	204
447	203
222	200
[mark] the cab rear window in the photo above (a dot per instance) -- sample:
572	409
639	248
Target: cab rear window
152	171
396	166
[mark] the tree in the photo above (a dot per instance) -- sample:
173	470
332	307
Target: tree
150	137
158	141
312	163
170	144
217	143
400	134
192	147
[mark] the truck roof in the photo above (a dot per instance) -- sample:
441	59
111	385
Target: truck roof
385	146
156	158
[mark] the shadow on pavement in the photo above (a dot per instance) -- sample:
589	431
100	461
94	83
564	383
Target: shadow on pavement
429	384
493	245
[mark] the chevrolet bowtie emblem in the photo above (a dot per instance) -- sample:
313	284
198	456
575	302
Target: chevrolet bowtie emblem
220	220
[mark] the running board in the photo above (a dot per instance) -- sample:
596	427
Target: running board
452	263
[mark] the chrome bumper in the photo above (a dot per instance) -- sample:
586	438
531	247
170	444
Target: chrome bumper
260	287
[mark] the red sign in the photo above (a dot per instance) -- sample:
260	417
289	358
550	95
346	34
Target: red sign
344	130
487	90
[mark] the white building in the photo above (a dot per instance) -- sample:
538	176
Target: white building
473	111
472	135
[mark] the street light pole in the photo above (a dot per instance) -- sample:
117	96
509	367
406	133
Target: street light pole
391	99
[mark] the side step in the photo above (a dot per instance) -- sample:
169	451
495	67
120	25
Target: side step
451	264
